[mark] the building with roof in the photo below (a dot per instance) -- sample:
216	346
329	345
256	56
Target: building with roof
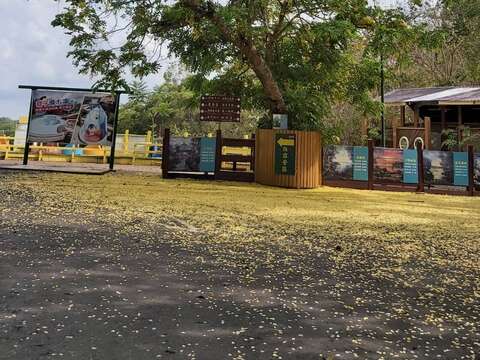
433	111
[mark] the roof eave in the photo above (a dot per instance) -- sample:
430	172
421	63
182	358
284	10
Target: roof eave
459	102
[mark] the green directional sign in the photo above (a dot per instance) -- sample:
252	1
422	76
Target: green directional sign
285	154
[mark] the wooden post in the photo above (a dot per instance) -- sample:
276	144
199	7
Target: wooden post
165	153
471	170
443	112
364	129
394	128
402	116
459	127
416	116
371	149
420	170
218	153
126	138
428	133
252	154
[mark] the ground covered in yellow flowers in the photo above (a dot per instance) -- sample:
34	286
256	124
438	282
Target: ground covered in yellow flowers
129	266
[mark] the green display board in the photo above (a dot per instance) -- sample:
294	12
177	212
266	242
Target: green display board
460	168
207	154
410	166
285	154
360	163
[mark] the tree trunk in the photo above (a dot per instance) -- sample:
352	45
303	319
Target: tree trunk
264	74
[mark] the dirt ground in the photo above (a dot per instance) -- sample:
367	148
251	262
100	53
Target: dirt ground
129	266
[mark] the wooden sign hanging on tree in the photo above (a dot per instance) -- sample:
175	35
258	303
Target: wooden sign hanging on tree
220	108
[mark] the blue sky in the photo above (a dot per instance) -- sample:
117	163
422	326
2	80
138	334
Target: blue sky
32	52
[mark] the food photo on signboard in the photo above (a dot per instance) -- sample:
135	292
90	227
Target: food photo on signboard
95	121
54	115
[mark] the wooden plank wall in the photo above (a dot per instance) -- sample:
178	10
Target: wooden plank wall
308	160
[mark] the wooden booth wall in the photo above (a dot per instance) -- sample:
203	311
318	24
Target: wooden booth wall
308	160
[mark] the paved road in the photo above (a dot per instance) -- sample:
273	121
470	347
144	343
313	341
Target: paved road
80	287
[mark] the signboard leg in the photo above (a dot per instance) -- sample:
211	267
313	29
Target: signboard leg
471	171
218	153
27	143
421	170
371	147
165	153
114	137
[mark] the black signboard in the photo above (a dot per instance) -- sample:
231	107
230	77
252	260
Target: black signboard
285	154
220	108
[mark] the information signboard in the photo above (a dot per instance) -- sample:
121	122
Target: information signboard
220	108
360	163
410	166
207	154
460	168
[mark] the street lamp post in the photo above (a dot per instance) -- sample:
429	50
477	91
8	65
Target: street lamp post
382	99
382	4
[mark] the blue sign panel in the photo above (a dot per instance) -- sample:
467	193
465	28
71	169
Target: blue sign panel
460	168
410	166
207	154
360	163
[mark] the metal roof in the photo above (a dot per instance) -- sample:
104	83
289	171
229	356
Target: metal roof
437	95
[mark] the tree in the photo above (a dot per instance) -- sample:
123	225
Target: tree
173	105
298	53
7	126
443	49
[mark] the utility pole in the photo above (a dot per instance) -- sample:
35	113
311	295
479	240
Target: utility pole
384	5
382	97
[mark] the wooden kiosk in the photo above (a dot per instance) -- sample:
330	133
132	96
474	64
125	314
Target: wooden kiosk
432	111
287	158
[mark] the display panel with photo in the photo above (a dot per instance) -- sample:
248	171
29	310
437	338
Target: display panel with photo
95	121
388	165
438	167
184	154
338	163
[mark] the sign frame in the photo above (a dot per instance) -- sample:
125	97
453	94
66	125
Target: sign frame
116	94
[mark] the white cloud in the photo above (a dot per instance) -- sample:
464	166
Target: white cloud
32	52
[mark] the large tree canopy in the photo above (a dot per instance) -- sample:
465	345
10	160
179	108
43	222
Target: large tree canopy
297	54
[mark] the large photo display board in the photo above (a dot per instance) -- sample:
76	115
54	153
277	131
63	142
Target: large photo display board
476	170
346	163
71	117
388	165
192	155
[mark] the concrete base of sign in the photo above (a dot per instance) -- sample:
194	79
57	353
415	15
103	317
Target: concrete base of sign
286	158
